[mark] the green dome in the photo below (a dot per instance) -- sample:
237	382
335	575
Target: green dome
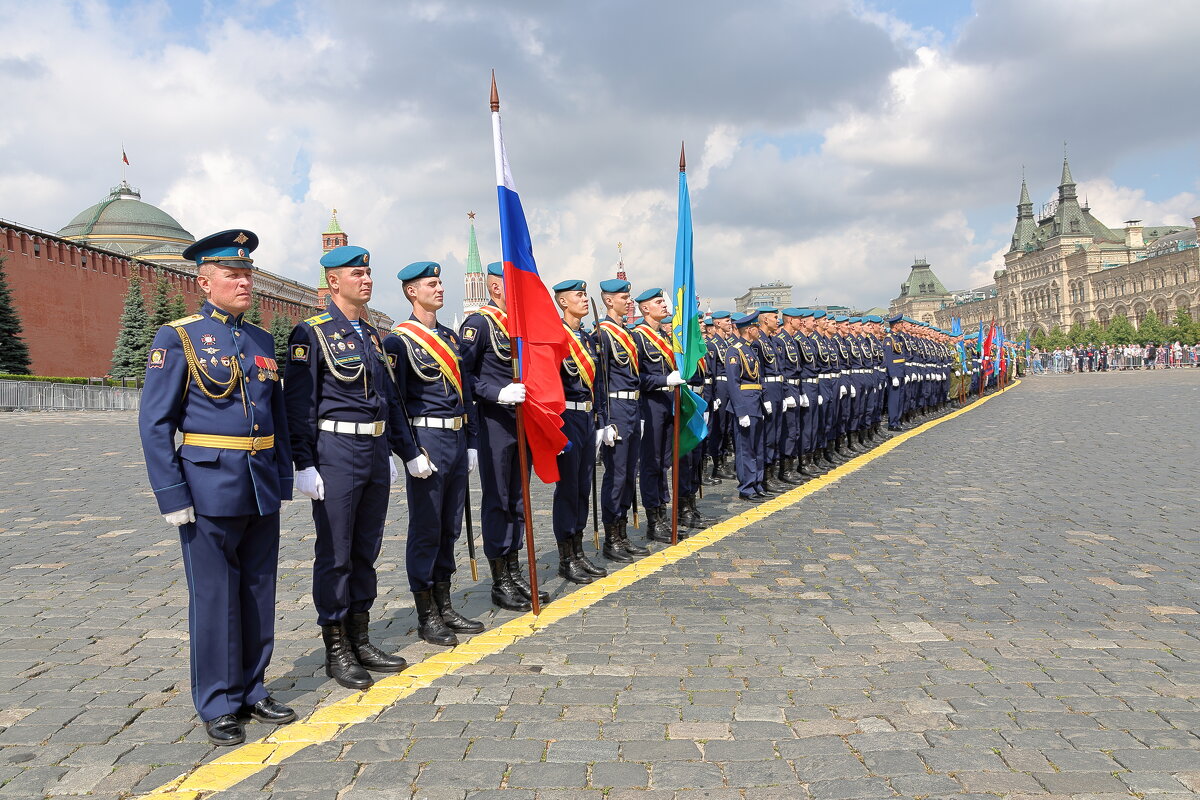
123	223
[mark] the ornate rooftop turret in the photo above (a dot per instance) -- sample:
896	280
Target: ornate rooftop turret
1025	234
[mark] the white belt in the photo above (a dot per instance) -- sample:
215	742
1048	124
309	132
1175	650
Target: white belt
586	405
722	377
708	381
860	371
811	380
662	388
828	375
794	381
365	428
625	395
452	423
773	379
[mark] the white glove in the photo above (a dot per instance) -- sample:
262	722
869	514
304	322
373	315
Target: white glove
907	378
717	404
958	373
705	417
309	483
392	471
853	392
789	402
609	434
895	383
767	407
472	459
512	394
744	422
820	400
841	392
420	467
804	401
181	517
675	379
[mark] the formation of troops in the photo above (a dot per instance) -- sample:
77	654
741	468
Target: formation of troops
229	434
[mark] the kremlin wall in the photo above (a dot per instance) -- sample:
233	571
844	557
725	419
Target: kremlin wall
69	287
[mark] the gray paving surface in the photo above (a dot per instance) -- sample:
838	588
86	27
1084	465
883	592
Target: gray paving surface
1005	605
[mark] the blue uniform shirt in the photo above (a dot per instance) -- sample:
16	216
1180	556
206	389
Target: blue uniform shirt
744	371
191	360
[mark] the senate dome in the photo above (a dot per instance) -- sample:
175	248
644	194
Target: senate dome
124	224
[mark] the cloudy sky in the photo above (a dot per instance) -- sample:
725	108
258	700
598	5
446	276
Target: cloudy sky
829	141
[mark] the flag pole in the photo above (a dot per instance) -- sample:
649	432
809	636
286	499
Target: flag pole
522	450
675	426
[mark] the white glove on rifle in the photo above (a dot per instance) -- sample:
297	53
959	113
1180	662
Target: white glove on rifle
181	517
841	392
309	483
512	394
804	401
820	400
767	407
744	421
717	404
472	459
420	467
853	392
789	402
392	471
675	379
895	383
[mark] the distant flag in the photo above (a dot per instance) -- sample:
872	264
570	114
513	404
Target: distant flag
534	324
687	338
124	157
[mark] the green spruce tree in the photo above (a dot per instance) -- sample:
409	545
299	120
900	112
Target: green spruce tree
160	313
1184	329
178	307
254	315
1120	331
14	353
135	336
281	330
1152	329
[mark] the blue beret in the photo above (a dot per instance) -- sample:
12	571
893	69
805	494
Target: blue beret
841	318
875	318
496	268
721	315
793	312
420	269
570	286
767	310
747	320
818	314
614	286
649	294
348	256
854	319
892	320
234	245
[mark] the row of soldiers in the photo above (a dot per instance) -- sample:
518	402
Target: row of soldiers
787	393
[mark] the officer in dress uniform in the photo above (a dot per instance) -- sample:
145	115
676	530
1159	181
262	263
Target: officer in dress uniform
577	462
619	417
658	378
213	377
744	371
713	364
439	446
772	380
720	437
827	366
487	366
344	424
810	372
691	463
788	358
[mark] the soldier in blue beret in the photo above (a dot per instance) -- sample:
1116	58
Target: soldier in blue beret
719	444
791	431
212	376
344	424
810	371
658	377
439	446
577	463
744	372
619	418
487	367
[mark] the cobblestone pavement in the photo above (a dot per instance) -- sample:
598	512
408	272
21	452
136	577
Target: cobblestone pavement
1006	604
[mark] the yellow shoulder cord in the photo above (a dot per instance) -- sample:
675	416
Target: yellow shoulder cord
200	374
331	363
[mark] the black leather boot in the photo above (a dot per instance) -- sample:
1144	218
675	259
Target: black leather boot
723	470
340	663
454	620
688	517
788	474
504	592
430	625
519	579
569	566
584	562
704	519
658	528
635	550
769	484
613	550
801	470
368	655
708	470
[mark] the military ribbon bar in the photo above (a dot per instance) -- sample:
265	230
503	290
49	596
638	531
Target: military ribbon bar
660	344
622	336
497	316
437	349
582	358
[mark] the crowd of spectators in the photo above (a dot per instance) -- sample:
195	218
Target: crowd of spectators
1113	358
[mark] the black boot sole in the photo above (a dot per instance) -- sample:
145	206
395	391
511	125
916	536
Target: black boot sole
357	686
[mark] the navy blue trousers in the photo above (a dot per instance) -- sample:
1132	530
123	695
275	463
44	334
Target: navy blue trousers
435	509
620	461
230	564
349	522
572	493
654	462
808	418
502	517
748	456
771	423
895	403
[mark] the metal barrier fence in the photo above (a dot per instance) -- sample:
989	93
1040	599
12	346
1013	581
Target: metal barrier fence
1118	360
40	396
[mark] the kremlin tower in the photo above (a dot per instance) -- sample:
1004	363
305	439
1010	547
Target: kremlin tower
333	237
474	286
629	315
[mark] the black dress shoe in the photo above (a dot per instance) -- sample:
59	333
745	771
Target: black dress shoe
750	498
225	730
271	711
759	497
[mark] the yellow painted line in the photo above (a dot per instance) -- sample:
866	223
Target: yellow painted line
327	722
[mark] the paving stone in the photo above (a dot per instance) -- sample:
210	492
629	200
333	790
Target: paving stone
1080	782
618	774
686	775
546	775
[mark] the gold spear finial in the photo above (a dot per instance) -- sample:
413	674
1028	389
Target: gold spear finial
495	94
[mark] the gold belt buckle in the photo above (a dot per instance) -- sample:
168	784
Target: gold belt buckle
255	441
377	430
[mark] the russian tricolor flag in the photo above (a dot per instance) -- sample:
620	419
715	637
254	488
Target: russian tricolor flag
533	321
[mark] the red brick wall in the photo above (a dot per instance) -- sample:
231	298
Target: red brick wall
70	300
